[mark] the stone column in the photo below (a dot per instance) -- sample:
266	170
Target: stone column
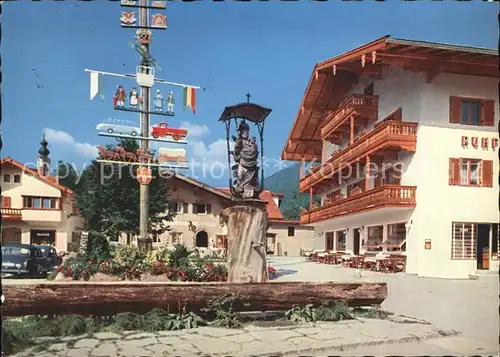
246	235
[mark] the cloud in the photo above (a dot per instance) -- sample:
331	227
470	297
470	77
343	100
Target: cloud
195	131
215	151
62	137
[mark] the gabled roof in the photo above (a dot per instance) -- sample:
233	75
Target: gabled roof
273	210
332	79
24	168
201	185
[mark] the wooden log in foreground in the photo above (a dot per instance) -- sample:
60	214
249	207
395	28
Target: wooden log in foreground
86	298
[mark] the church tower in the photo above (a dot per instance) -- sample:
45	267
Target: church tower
43	161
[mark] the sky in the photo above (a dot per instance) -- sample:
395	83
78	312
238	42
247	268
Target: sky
229	49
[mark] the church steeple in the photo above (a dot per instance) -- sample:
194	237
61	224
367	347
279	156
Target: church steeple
43	161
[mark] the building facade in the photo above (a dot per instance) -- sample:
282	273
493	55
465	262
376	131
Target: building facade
405	137
35	208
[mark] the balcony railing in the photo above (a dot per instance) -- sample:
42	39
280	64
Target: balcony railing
379	197
11	213
388	134
364	105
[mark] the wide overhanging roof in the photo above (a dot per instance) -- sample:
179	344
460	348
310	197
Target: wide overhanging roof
332	79
249	111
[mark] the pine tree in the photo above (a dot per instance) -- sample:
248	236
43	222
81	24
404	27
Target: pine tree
108	198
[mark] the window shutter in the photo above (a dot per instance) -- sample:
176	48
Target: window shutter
195	208
487	171
488	113
5	202
455	109
454	172
209	208
184	207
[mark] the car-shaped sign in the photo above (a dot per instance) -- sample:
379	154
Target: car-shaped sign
118	129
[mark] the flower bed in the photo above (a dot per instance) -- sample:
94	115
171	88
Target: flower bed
158	265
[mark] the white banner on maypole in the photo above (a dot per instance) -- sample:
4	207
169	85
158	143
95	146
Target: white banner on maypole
94	84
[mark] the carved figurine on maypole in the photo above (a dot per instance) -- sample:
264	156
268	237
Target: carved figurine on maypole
170	102
159	101
119	97
134	98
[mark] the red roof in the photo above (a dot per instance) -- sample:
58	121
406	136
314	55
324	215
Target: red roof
25	168
272	208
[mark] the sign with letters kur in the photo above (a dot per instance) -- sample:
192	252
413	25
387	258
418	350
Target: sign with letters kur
477	142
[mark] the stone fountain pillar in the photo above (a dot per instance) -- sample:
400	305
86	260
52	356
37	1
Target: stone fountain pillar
246	239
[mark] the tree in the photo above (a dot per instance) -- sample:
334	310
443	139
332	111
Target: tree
108	198
68	176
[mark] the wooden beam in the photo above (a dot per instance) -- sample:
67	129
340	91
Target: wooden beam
310	198
367	179
446	59
351	132
104	299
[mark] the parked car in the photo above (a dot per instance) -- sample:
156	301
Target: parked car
50	254
23	260
118	129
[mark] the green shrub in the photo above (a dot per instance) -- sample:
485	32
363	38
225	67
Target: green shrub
333	311
97	247
128	254
128	321
222	311
301	314
179	256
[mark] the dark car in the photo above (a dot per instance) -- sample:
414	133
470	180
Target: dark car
50	254
23	260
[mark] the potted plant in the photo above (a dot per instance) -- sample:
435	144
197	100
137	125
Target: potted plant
486	258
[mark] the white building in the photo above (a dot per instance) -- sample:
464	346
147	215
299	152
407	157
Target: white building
36	209
406	135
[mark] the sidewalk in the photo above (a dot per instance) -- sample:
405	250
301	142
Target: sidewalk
317	339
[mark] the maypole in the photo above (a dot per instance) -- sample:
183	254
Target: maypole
140	102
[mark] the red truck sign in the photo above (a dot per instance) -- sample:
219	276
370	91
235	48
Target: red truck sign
162	130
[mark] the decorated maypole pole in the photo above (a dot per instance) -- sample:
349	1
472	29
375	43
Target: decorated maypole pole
140	102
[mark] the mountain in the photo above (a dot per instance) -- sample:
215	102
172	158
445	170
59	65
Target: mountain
286	181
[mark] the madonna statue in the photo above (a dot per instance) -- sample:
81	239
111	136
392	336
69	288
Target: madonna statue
245	156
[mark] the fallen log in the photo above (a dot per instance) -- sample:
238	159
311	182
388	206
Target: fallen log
101	299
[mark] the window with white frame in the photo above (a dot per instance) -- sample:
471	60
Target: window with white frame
157	238
463	241
176	207
201	208
469	172
176	237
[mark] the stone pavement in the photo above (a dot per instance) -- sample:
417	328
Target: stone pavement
251	340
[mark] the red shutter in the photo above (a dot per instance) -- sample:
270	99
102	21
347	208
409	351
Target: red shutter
487	173
185	207
488	113
6	202
455	109
454	172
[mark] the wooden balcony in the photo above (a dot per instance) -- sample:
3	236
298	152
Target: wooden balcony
379	197
390	135
11	213
356	106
